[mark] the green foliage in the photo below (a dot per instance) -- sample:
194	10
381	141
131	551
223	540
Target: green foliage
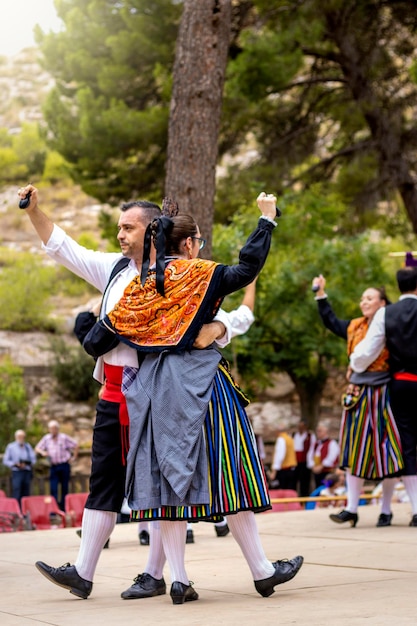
23	155
88	240
72	368
108	113
30	149
25	289
108	228
317	88
10	167
56	168
13	401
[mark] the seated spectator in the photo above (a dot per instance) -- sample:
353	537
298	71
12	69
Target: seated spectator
333	484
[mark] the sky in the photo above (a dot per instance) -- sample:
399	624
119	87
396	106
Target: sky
17	20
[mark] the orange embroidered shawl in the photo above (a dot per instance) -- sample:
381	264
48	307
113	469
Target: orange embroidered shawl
144	319
356	331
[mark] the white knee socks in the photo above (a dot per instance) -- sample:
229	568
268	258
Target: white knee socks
354	486
156	556
143	526
173	540
96	528
410	484
245	531
388	486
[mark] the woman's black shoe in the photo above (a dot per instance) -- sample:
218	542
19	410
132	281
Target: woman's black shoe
284	570
344	516
144	538
181	593
384	519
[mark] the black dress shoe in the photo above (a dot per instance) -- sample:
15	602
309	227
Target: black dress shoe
222	531
384	519
181	593
66	576
190	536
145	586
344	516
284	571
144	538
413	521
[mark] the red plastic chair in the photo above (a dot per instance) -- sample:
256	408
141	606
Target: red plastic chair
43	512
74	507
284	506
11	518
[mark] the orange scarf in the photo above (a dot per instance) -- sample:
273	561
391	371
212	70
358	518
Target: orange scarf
356	331
145	318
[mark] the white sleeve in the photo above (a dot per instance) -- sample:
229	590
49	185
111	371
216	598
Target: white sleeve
370	348
310	455
332	454
93	266
279	453
237	322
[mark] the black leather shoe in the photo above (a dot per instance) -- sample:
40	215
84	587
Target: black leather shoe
384	519
66	576
181	593
190	537
145	586
284	571
413	521
144	538
345	516
222	531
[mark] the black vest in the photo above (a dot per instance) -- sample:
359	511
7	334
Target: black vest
401	335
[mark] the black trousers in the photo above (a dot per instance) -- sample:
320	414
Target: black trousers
108	472
303	479
286	478
403	394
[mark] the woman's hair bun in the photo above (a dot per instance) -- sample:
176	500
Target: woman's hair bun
169	207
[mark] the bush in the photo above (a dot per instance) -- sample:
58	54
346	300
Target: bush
72	368
13	401
25	288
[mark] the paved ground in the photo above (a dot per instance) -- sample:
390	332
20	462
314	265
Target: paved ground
351	576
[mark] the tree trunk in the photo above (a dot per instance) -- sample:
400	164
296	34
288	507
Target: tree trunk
199	72
309	393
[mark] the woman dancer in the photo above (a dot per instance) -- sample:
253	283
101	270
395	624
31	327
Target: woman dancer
370	445
193	453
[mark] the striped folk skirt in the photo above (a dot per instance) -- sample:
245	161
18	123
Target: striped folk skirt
237	480
369	439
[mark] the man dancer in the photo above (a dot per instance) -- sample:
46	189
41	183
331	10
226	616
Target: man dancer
396	327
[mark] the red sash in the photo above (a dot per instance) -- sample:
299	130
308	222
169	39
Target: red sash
405	376
112	392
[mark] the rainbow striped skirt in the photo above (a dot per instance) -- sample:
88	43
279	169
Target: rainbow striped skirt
369	439
237	480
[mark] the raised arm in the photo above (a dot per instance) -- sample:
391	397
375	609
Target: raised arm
331	322
253	255
41	222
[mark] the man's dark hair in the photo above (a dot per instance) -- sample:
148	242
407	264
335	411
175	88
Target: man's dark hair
407	279
150	209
